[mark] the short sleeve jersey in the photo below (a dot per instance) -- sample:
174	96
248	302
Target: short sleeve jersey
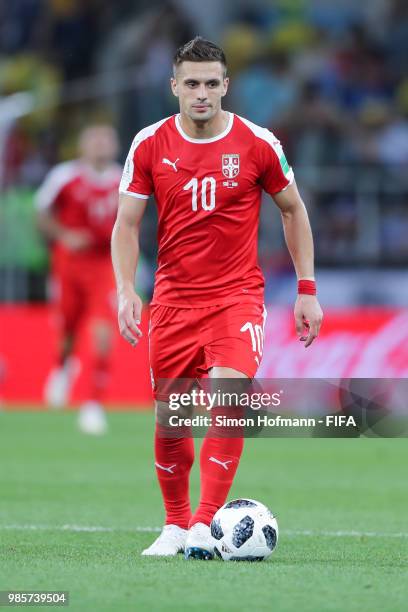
208	196
82	199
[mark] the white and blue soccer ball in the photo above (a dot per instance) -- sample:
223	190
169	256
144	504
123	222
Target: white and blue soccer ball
244	530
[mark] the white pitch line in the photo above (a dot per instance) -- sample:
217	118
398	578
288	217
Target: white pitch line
341	534
284	532
78	528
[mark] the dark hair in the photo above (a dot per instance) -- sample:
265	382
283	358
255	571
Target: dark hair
200	50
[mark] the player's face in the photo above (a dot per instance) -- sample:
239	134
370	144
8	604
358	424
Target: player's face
199	87
99	145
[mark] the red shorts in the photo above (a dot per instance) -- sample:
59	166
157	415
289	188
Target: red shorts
83	290
187	342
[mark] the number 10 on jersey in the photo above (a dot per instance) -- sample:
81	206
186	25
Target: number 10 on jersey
208	185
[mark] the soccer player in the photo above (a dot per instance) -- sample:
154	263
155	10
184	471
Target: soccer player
207	168
77	206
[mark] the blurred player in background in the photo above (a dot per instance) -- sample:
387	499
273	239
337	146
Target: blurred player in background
77	206
207	168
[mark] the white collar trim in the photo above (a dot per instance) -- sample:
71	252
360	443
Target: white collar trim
205	140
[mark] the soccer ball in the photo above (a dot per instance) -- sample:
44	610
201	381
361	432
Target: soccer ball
245	530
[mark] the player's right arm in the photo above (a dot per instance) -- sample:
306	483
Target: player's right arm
46	200
125	255
73	240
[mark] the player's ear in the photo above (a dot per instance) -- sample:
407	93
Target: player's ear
225	84
173	84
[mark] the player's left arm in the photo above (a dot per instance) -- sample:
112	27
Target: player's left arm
299	240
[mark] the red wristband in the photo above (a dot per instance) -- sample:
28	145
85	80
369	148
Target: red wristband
307	287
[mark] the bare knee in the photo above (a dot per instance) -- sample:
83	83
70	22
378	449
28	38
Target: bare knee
102	336
222	372
164	412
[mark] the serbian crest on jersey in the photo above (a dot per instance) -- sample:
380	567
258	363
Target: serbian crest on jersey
230	165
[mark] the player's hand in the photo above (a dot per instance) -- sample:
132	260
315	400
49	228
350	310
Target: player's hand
76	240
129	316
308	318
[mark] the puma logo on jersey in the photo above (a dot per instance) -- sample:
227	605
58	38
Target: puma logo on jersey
170	163
166	469
223	463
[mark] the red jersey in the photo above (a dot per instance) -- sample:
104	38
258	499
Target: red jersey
82	199
208	195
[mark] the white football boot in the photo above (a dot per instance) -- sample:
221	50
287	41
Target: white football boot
92	419
59	382
199	543
170	542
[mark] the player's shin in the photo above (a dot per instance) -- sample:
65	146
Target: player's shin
219	459
92	419
174	457
100	375
100	363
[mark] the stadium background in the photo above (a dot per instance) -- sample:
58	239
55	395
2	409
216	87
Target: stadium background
326	77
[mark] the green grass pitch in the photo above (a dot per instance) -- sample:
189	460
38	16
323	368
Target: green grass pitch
341	507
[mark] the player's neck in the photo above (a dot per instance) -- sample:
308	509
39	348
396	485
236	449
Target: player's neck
94	167
205	129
